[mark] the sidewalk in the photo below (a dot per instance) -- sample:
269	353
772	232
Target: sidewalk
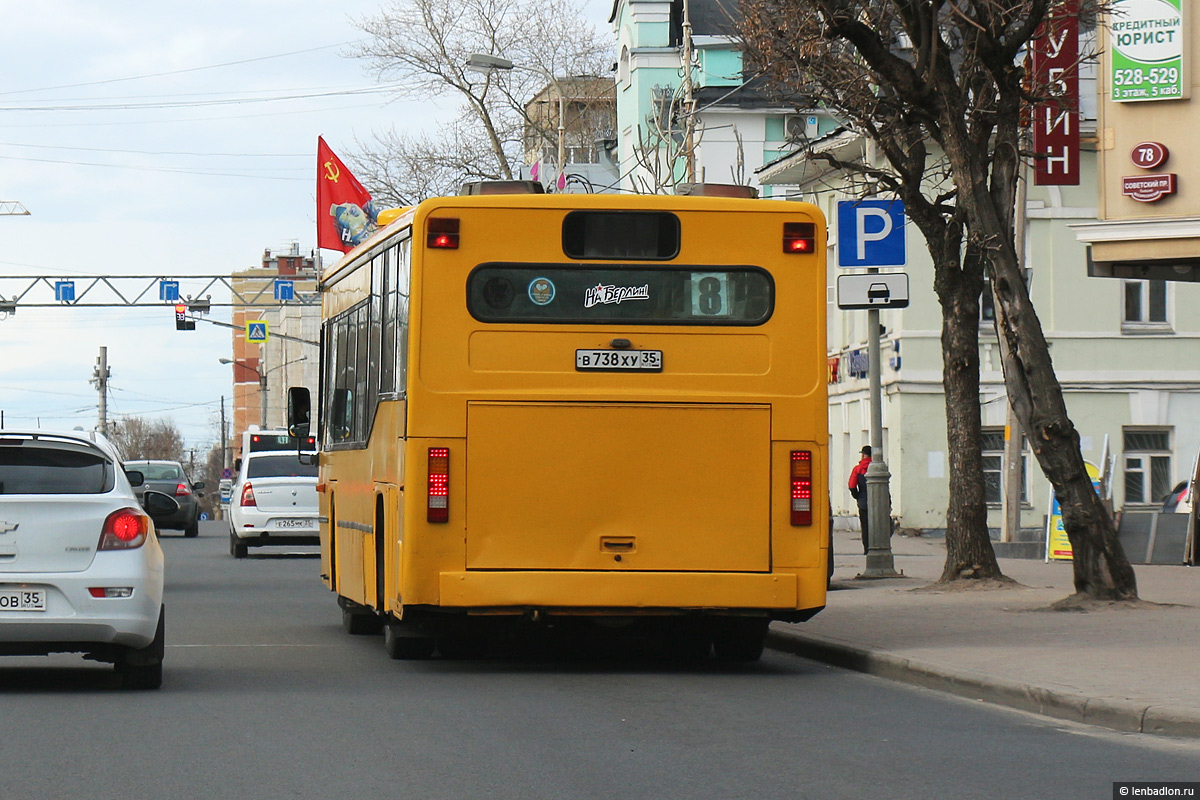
1131	669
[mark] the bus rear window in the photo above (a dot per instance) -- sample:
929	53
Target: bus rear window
620	295
634	235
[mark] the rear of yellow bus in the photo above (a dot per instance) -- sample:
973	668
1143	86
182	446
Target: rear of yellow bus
617	413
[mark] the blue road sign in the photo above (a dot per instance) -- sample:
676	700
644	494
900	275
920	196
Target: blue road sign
256	331
64	291
285	290
871	233
168	291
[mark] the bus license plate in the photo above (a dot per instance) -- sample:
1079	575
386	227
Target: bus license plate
23	600
619	360
295	523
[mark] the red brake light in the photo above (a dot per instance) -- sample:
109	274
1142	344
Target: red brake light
247	498
182	490
442	233
439	484
802	487
799	237
124	529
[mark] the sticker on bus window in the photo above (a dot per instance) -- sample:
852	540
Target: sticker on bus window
607	294
541	291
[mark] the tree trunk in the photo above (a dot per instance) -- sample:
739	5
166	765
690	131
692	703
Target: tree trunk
969	552
1102	571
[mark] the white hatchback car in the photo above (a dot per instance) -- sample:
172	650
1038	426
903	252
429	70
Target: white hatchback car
81	570
274	501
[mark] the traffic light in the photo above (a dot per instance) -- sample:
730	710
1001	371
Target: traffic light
182	323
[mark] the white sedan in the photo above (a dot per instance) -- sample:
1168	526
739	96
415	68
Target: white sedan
81	569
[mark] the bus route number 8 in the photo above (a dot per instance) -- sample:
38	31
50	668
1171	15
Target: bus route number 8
709	290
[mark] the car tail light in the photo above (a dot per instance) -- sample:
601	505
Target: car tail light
799	237
182	490
124	529
247	498
439	484
802	487
442	233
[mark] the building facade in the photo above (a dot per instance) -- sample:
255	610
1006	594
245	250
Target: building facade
282	292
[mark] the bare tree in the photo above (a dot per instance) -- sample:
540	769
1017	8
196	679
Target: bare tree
667	145
140	438
423	46
939	88
403	169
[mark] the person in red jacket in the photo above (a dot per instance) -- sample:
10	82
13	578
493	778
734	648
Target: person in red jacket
858	489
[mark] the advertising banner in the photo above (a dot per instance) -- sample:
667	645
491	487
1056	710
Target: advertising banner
1146	41
1054	60
1058	546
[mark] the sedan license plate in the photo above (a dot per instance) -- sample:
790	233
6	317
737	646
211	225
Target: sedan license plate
619	360
22	600
292	524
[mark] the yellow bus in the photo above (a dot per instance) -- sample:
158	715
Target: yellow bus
591	412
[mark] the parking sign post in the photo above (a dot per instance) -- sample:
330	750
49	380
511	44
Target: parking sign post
871	235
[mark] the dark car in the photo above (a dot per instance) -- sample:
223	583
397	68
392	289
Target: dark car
169	478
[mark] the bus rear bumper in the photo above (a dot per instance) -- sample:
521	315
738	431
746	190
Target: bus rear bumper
651	592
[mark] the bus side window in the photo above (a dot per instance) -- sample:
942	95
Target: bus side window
341	424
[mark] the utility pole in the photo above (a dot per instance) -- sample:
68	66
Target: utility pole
224	437
100	377
1013	438
880	562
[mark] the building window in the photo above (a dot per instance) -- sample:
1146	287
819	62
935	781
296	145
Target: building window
993	466
1144	305
1147	464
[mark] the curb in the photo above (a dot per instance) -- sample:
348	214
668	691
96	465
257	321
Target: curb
1125	716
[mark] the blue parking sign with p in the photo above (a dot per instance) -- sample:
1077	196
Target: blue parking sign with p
871	233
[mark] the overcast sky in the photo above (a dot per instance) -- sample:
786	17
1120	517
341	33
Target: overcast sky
154	138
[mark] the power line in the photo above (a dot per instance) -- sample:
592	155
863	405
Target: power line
306	51
156	152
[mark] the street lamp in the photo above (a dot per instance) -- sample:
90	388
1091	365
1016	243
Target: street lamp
487	64
262	382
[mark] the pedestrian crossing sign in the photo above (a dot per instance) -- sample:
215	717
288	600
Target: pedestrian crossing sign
256	331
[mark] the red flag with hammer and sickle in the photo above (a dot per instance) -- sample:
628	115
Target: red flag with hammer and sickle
345	214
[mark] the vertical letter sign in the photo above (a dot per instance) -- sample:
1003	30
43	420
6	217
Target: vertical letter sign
1054	53
1147	50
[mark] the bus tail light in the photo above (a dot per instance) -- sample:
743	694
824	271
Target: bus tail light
799	237
247	498
439	484
802	487
442	233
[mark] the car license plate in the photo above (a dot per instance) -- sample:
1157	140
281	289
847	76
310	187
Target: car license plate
292	524
22	600
619	360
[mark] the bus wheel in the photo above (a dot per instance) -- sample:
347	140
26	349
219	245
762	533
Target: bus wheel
462	646
406	647
360	622
740	638
686	640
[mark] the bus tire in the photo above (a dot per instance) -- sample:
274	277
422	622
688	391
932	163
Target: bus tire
406	647
686	640
740	639
361	622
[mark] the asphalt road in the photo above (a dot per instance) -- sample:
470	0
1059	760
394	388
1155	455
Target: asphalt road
266	697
